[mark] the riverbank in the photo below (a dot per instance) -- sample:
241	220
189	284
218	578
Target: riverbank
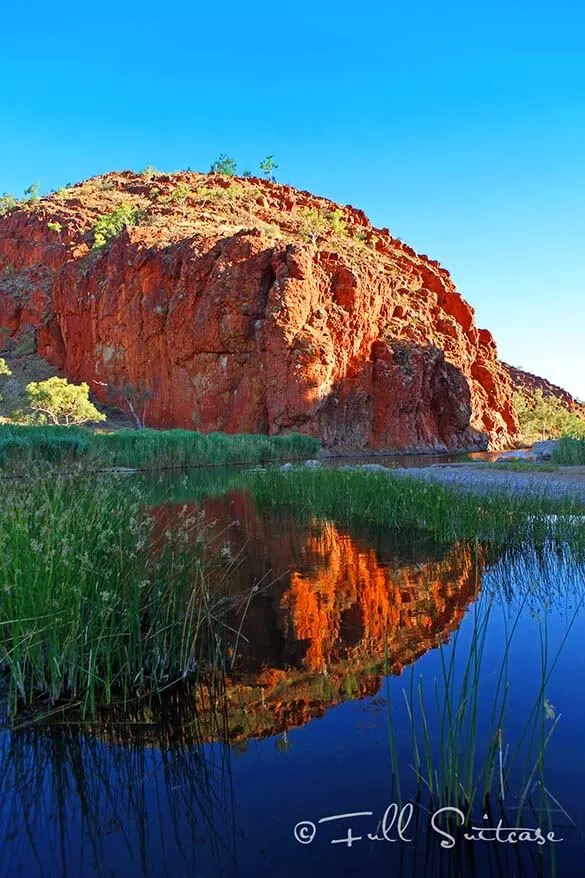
23	448
558	483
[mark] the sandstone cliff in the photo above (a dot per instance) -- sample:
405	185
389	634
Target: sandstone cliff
242	305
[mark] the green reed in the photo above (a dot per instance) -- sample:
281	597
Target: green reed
22	447
569	452
100	598
460	750
443	512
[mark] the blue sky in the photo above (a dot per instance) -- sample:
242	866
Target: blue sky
460	125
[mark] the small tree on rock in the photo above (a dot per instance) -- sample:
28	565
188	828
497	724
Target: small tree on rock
62	403
225	165
33	192
313	224
268	167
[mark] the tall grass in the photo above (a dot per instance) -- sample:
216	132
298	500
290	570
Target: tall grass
99	598
441	511
569	452
22	447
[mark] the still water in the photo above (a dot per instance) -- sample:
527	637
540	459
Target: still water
370	668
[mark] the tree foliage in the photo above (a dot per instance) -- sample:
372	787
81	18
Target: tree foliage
313	224
268	167
545	417
225	165
33	192
111	224
8	203
62	403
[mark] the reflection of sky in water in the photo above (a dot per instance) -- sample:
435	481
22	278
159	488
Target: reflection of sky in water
191	810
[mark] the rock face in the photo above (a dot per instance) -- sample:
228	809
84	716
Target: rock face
247	306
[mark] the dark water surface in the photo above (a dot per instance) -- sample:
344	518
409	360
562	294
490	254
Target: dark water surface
337	695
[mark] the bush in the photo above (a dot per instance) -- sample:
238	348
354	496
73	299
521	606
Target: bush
109	225
224	165
61	402
336	222
8	203
179	193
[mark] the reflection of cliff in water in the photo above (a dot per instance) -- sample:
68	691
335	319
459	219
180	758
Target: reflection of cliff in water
332	610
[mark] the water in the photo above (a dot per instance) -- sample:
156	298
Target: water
337	650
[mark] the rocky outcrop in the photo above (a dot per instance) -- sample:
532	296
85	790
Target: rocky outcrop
247	306
528	384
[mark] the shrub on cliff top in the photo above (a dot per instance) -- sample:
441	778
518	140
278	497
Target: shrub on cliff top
268	167
8	203
110	224
61	402
224	165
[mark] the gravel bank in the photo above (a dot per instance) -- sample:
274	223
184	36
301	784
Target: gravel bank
566	482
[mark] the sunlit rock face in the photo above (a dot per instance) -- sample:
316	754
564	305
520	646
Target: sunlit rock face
236	316
332	611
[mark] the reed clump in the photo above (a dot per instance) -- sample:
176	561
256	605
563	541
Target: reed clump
22	447
569	452
441	511
99	596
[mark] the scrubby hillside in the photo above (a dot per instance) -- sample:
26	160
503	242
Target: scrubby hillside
242	305
544	409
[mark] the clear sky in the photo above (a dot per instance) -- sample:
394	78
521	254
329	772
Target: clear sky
460	125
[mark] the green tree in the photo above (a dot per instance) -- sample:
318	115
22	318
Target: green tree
268	167
545	417
313	224
224	165
61	402
33	192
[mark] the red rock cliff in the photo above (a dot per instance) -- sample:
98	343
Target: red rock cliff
247	306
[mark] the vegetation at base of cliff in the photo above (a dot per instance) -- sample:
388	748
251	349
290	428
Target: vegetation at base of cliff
97	597
442	512
111	224
25	447
569	452
62	403
545	417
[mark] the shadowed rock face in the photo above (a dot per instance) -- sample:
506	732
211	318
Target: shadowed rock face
219	303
